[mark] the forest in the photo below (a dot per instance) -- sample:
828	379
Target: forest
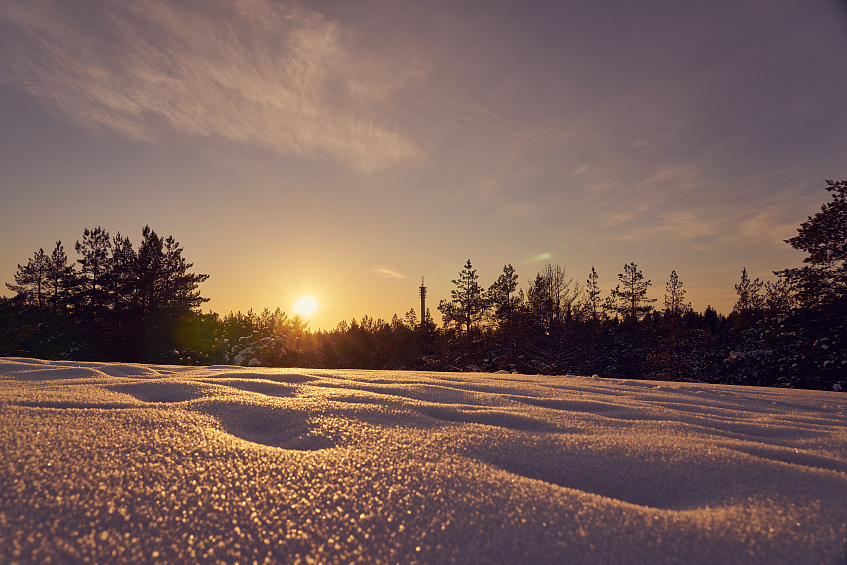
122	303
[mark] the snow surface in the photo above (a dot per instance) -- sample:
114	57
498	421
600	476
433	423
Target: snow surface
116	463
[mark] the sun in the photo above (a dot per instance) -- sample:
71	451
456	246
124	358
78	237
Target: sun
305	306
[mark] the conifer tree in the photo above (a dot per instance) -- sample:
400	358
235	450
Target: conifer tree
675	304
668	356
818	321
778	299
500	293
749	297
122	280
62	279
593	303
94	248
504	309
32	280
823	281
166	289
631	302
593	309
631	294
467	305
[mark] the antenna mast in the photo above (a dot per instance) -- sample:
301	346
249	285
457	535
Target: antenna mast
423	303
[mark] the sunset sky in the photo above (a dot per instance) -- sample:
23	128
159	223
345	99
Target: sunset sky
343	149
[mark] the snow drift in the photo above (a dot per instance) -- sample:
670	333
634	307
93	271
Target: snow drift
122	463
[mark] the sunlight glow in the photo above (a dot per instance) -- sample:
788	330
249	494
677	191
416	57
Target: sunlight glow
305	306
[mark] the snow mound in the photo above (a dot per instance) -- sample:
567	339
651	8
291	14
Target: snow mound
122	463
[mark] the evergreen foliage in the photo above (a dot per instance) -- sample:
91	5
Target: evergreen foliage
467	307
823	281
120	305
142	304
631	294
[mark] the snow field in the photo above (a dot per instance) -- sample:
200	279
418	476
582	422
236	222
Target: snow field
111	463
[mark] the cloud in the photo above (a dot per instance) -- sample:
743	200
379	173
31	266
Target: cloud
263	73
519	210
387	272
692	224
670	179
770	225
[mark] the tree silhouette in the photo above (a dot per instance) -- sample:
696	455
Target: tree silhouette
631	294
467	305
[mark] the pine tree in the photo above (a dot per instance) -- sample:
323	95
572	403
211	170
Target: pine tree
166	291
594	310
749	297
823	281
818	321
123	276
95	249
778	299
593	303
675	304
469	302
500	295
467	306
631	294
669	356
62	280
43	286
32	281
631	302
505	310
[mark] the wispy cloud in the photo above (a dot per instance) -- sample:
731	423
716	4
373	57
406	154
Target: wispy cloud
716	224
251	71
770	225
691	224
387	272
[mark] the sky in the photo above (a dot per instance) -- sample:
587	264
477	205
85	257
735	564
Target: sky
345	149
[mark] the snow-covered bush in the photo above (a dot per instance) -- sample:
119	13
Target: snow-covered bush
256	351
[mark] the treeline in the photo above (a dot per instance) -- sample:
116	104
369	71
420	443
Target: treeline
142	306
115	303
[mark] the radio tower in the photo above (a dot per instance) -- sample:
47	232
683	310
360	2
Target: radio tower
423	304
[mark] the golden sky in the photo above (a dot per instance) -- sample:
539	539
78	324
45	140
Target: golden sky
343	149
